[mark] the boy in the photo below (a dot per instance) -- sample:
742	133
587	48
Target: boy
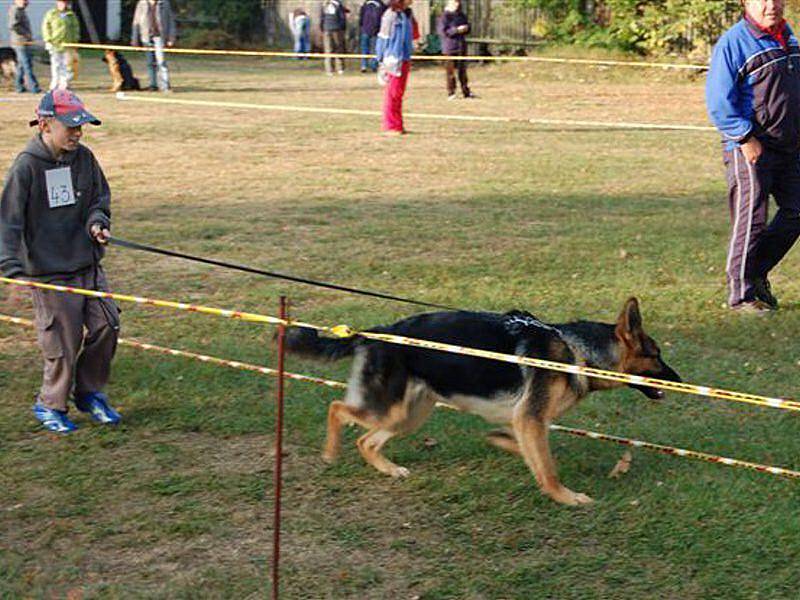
54	218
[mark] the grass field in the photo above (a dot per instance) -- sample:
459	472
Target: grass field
565	222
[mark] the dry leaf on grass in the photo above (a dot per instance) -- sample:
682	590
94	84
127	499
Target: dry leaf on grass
622	466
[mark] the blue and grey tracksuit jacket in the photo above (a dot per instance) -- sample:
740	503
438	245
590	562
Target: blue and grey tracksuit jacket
753	88
396	37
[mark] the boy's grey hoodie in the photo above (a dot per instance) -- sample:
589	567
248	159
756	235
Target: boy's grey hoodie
41	242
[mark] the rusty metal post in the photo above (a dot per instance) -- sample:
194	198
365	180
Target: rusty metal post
276	524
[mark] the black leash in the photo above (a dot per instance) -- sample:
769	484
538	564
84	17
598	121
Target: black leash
218	263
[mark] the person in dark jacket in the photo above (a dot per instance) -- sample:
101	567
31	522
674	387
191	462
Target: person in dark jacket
55	218
333	23
21	35
369	23
453	28
753	98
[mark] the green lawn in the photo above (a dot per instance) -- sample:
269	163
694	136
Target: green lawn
564	222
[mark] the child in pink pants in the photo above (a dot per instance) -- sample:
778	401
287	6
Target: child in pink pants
393	49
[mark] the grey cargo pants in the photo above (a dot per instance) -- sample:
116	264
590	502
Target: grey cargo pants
78	338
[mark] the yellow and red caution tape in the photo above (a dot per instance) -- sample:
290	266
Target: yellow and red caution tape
182	306
416	57
233	364
346	331
720	460
682	452
674	386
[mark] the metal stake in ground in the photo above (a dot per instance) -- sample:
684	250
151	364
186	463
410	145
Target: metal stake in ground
276	526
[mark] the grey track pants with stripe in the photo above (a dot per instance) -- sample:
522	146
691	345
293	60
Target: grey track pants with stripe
755	247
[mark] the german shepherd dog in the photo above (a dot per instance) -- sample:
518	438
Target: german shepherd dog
392	388
122	78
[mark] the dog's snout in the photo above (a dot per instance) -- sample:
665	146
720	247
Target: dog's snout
669	373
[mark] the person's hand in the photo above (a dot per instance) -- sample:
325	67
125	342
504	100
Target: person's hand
462	28
170	44
752	150
100	234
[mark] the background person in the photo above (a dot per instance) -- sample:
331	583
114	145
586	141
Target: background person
60	26
154	26
21	36
333	23
369	23
54	217
300	24
453	28
753	97
393	49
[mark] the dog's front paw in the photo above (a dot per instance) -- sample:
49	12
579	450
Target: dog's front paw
582	498
328	457
400	472
566	496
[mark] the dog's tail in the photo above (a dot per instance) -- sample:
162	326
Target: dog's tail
307	342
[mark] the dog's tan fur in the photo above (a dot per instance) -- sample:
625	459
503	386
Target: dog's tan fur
113	69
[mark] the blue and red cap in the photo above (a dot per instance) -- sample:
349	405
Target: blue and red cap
66	107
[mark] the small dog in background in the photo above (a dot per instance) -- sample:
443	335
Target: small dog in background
121	72
8	65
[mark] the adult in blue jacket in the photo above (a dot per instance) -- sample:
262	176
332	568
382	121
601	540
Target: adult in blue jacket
753	98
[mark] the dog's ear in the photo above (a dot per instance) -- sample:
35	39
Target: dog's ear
629	323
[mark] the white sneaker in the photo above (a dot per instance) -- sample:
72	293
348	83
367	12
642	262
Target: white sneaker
452	97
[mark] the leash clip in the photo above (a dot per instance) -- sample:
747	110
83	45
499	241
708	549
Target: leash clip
343	331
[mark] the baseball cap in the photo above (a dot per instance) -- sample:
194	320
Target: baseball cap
66	107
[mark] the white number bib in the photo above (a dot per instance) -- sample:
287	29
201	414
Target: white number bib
59	187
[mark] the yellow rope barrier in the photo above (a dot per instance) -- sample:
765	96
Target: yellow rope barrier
416	57
346	331
437	116
182	306
682	452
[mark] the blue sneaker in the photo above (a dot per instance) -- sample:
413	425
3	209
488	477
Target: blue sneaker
52	419
96	404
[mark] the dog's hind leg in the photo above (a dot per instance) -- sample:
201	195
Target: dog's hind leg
550	395
339	415
370	445
504	439
404	417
